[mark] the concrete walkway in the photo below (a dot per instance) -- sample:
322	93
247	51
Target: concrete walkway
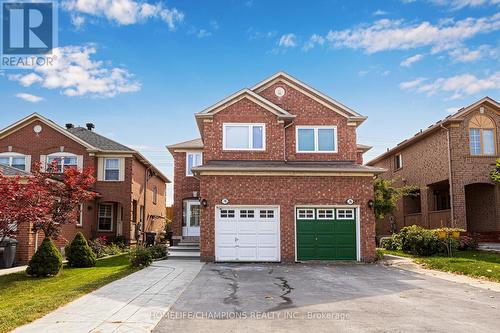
16	269
135	303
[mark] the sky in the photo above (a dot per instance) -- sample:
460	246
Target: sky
139	70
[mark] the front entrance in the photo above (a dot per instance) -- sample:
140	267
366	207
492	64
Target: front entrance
191	226
326	233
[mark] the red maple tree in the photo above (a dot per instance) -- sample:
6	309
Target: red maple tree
46	199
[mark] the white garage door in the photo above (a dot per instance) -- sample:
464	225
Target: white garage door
247	234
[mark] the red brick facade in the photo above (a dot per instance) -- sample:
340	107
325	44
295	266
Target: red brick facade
285	191
25	141
475	201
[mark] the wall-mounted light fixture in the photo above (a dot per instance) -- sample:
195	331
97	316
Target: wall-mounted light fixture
371	203
204	202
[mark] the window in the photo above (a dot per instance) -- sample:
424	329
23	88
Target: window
155	195
193	160
60	163
247	214
79	221
227	213
267	214
326	214
482	135
15	161
244	137
141	214
111	169
105	217
134	211
398	162
345	214
316	139
305	214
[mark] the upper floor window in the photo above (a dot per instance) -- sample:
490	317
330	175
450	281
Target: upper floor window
155	195
244	137
398	162
60	162
192	160
482	135
14	160
111	169
316	139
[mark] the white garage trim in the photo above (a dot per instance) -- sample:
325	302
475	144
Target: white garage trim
276	221
358	230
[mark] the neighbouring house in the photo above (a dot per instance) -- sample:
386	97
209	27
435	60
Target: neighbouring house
450	162
277	175
131	192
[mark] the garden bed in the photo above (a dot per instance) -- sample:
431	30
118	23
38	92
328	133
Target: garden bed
25	298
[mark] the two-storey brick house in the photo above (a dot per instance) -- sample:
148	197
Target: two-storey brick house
131	192
450	162
276	176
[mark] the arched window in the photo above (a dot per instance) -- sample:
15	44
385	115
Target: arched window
16	160
482	136
62	161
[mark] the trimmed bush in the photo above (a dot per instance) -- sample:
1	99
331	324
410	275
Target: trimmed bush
390	243
418	241
467	243
79	253
98	246
112	249
158	251
47	260
140	257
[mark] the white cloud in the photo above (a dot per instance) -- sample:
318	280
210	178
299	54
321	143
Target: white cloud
388	34
202	33
459	85
459	4
452	110
313	41
464	54
254	34
76	74
29	98
379	12
411	60
123	12
288	40
411	84
78	21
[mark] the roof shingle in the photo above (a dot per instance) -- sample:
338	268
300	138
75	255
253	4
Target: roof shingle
97	140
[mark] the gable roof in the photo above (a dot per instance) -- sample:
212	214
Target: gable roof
7	170
310	92
92	141
456	117
97	140
191	144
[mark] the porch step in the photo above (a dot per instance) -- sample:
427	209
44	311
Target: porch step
183	255
185	248
490	247
189	244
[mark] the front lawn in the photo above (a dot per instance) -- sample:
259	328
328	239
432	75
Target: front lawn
24	299
472	263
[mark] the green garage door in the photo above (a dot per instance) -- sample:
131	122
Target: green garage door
326	233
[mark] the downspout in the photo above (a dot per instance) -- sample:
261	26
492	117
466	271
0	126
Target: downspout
450	182
284	140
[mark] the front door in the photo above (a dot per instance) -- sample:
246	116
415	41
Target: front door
192	215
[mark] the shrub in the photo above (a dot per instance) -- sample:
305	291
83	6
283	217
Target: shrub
158	251
47	260
79	253
379	254
140	257
419	241
467	243
120	241
390	243
112	249
98	247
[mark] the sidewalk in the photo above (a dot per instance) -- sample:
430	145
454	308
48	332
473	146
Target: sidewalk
5	271
132	304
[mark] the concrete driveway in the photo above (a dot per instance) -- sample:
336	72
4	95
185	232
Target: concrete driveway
326	298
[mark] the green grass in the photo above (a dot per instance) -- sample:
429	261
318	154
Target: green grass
24	298
479	264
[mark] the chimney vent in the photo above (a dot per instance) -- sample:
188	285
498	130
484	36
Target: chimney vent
68	126
90	126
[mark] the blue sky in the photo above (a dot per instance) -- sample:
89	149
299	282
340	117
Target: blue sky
139	70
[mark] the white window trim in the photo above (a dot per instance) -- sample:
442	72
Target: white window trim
79	222
12	155
250	136
104	175
188	172
62	155
316	140
326	218
400	161
345	218
99	216
306	218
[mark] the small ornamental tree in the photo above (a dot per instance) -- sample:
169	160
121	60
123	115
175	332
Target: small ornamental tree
386	196
495	173
79	253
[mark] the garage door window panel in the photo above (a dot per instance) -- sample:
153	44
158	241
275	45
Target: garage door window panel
305	214
345	214
326	214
